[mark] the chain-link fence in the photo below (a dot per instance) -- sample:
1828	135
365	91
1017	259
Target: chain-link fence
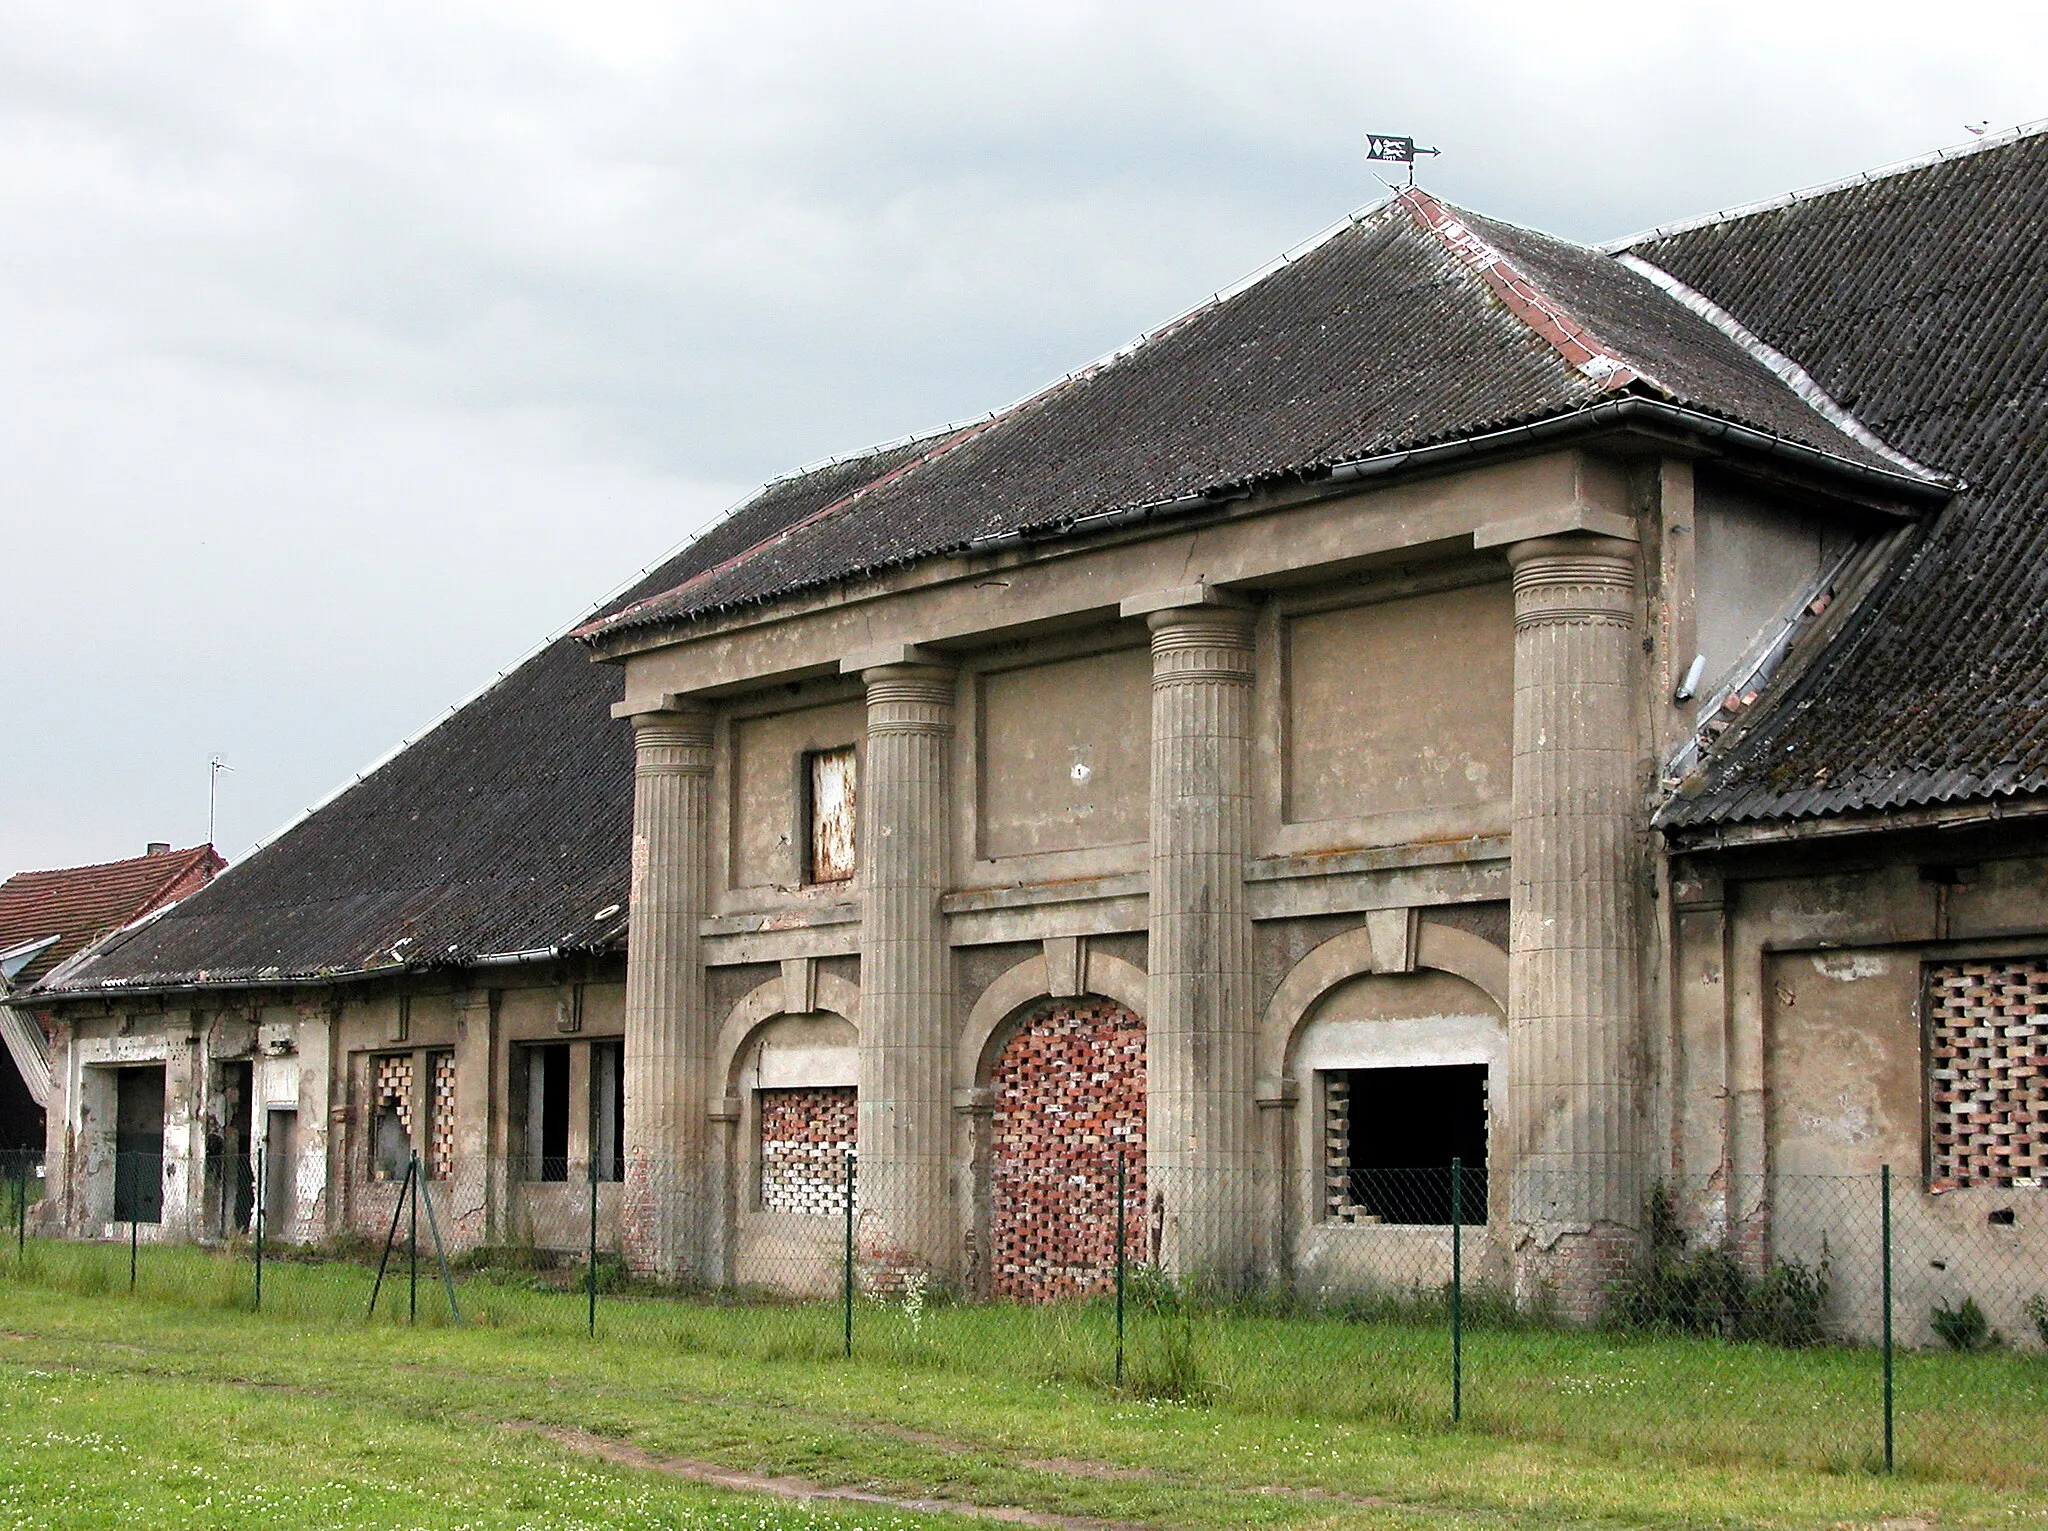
1842	1323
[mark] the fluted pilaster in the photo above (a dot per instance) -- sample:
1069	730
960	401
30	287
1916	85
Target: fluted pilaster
1201	1116
668	1025
1573	1050
906	978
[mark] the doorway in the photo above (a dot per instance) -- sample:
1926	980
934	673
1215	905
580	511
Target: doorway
281	1174
139	1145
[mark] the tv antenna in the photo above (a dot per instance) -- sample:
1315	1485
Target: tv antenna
1395	148
214	766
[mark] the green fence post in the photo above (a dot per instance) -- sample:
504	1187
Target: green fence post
1121	1214
412	1241
21	1209
1457	1290
134	1242
256	1221
590	1279
1890	1461
440	1249
390	1238
846	1281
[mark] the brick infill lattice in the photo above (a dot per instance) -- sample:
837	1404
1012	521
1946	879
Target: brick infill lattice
804	1138
1987	1057
441	1115
1069	1096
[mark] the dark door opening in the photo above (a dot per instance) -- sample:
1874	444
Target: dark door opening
139	1145
1403	1128
547	1112
281	1174
233	1152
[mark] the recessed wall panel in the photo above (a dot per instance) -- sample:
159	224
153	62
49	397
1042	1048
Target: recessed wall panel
1065	754
1400	705
770	767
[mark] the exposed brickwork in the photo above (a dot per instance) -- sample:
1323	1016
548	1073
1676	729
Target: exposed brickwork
804	1138
1069	1094
391	1090
441	1115
1987	1058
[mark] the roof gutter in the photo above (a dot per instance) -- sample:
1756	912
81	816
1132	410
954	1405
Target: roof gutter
333	978
1928	487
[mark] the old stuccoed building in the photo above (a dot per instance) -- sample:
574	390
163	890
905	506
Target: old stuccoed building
1460	695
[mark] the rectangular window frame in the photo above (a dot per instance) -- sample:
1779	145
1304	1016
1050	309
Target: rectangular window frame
824	864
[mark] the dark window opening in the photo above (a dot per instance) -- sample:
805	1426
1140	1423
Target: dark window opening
830	815
608	1109
139	1145
547	1112
1390	1136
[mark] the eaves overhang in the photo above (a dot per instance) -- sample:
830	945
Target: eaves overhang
1636	424
321	978
1693	839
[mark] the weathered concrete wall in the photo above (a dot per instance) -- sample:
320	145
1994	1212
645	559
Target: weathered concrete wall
1801	1018
1756	562
1400	706
1063	754
767	796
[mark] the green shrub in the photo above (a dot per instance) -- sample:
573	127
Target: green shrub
1707	1291
2037	1310
1964	1328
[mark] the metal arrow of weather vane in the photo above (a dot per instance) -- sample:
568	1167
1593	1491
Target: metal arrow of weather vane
1395	149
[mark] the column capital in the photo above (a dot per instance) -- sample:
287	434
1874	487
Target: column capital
912	698
676	735
1578	578
1201	645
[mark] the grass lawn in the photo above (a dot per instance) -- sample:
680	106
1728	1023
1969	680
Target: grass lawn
178	1405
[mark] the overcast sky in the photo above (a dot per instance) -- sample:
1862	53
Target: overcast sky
348	351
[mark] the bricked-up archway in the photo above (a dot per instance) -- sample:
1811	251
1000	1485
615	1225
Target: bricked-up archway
1069	1095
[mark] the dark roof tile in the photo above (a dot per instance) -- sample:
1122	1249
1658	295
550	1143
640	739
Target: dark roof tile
1915	299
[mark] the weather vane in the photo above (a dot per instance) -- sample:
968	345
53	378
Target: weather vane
1396	149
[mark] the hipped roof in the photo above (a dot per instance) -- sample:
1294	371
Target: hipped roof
1415	324
504	830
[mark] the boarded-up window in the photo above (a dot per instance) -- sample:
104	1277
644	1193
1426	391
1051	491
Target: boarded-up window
830	790
1987	1058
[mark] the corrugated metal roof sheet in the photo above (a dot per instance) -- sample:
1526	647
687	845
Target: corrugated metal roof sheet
1919	300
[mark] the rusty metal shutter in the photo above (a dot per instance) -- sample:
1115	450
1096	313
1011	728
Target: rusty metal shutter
832	815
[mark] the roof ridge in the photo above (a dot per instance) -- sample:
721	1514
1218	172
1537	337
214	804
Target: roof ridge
1783	367
1999	140
168	858
959	437
1591	357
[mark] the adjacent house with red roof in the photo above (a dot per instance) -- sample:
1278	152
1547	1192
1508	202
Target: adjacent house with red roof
48	918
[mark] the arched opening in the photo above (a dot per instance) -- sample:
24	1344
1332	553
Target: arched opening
1398	1075
1067	1096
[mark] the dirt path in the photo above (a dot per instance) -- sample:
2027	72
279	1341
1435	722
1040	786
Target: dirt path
627	1455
